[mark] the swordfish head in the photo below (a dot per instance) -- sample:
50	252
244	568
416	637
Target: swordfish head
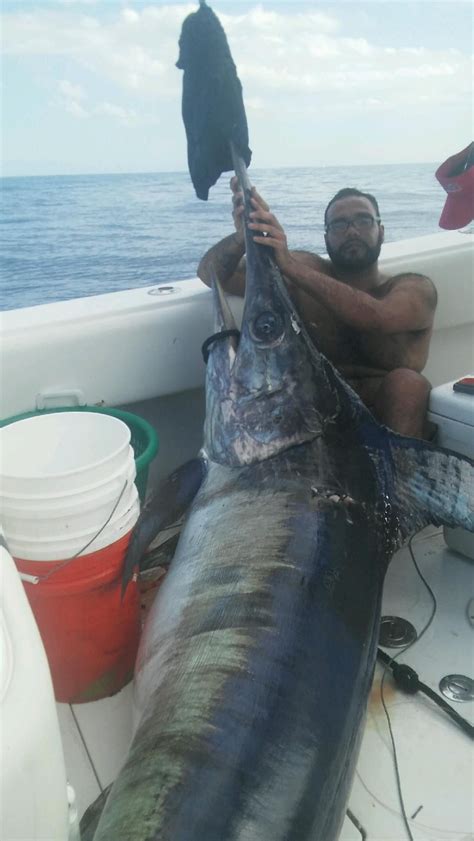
272	390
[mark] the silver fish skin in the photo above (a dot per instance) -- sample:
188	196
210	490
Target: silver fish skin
257	657
254	672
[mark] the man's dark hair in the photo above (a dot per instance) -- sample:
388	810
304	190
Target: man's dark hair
345	193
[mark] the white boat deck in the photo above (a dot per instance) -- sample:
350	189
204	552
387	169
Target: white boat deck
147	361
434	756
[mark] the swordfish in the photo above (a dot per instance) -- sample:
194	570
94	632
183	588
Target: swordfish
257	657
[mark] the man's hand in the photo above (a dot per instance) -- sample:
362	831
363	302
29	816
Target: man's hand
269	232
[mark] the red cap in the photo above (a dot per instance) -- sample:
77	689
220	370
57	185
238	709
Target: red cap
456	175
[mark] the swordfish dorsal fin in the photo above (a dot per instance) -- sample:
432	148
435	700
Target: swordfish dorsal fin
422	483
430	485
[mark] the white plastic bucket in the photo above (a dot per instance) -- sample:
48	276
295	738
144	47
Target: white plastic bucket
50	508
64	451
85	542
60	524
106	489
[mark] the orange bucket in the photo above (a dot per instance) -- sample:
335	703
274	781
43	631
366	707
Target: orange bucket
90	635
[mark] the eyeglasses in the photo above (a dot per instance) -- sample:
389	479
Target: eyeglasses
361	222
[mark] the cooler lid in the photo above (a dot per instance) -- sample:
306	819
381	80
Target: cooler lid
456	405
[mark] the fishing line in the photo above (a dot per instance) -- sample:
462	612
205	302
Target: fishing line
64	563
84	744
426	827
382	686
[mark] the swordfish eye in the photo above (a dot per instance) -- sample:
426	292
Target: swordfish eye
267	327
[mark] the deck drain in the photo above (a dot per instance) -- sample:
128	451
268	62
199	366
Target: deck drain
162	290
457	687
396	632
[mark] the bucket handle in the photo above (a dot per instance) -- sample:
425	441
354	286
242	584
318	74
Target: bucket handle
36	579
72	396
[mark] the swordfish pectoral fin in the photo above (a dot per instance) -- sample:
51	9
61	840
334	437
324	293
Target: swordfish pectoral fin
431	486
92	815
169	502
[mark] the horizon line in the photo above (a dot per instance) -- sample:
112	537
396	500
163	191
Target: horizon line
185	171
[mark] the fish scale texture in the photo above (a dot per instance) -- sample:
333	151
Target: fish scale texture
256	662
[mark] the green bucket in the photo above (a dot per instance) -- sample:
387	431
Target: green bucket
144	439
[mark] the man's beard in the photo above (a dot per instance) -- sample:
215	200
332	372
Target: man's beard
365	257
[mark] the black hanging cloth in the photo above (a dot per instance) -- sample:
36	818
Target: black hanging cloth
212	107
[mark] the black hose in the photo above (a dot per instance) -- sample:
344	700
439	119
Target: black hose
407	679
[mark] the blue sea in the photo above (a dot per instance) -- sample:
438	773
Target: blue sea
70	236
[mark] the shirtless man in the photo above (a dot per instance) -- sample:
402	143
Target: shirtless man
375	329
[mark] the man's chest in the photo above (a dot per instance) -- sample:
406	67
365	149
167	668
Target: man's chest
333	338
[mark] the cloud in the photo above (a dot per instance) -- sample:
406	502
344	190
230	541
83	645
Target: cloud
292	64
71	91
76	2
136	51
75	108
254	103
126	116
75	101
71	97
304	57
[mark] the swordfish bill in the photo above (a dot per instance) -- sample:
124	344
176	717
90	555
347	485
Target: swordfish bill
257	657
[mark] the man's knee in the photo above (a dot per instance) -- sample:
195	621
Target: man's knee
406	386
402	402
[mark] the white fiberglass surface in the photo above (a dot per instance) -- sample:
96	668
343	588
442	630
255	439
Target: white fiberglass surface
434	756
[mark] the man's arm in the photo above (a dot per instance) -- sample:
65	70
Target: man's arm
409	306
226	260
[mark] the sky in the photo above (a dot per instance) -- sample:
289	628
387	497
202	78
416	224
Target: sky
91	86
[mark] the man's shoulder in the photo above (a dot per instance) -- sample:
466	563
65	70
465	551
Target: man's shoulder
420	283
415	276
313	261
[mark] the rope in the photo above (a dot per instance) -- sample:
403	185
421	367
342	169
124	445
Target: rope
224	334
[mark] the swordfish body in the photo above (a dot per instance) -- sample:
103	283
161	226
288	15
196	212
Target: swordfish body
257	656
254	682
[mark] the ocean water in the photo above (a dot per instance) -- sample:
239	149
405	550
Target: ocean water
66	237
